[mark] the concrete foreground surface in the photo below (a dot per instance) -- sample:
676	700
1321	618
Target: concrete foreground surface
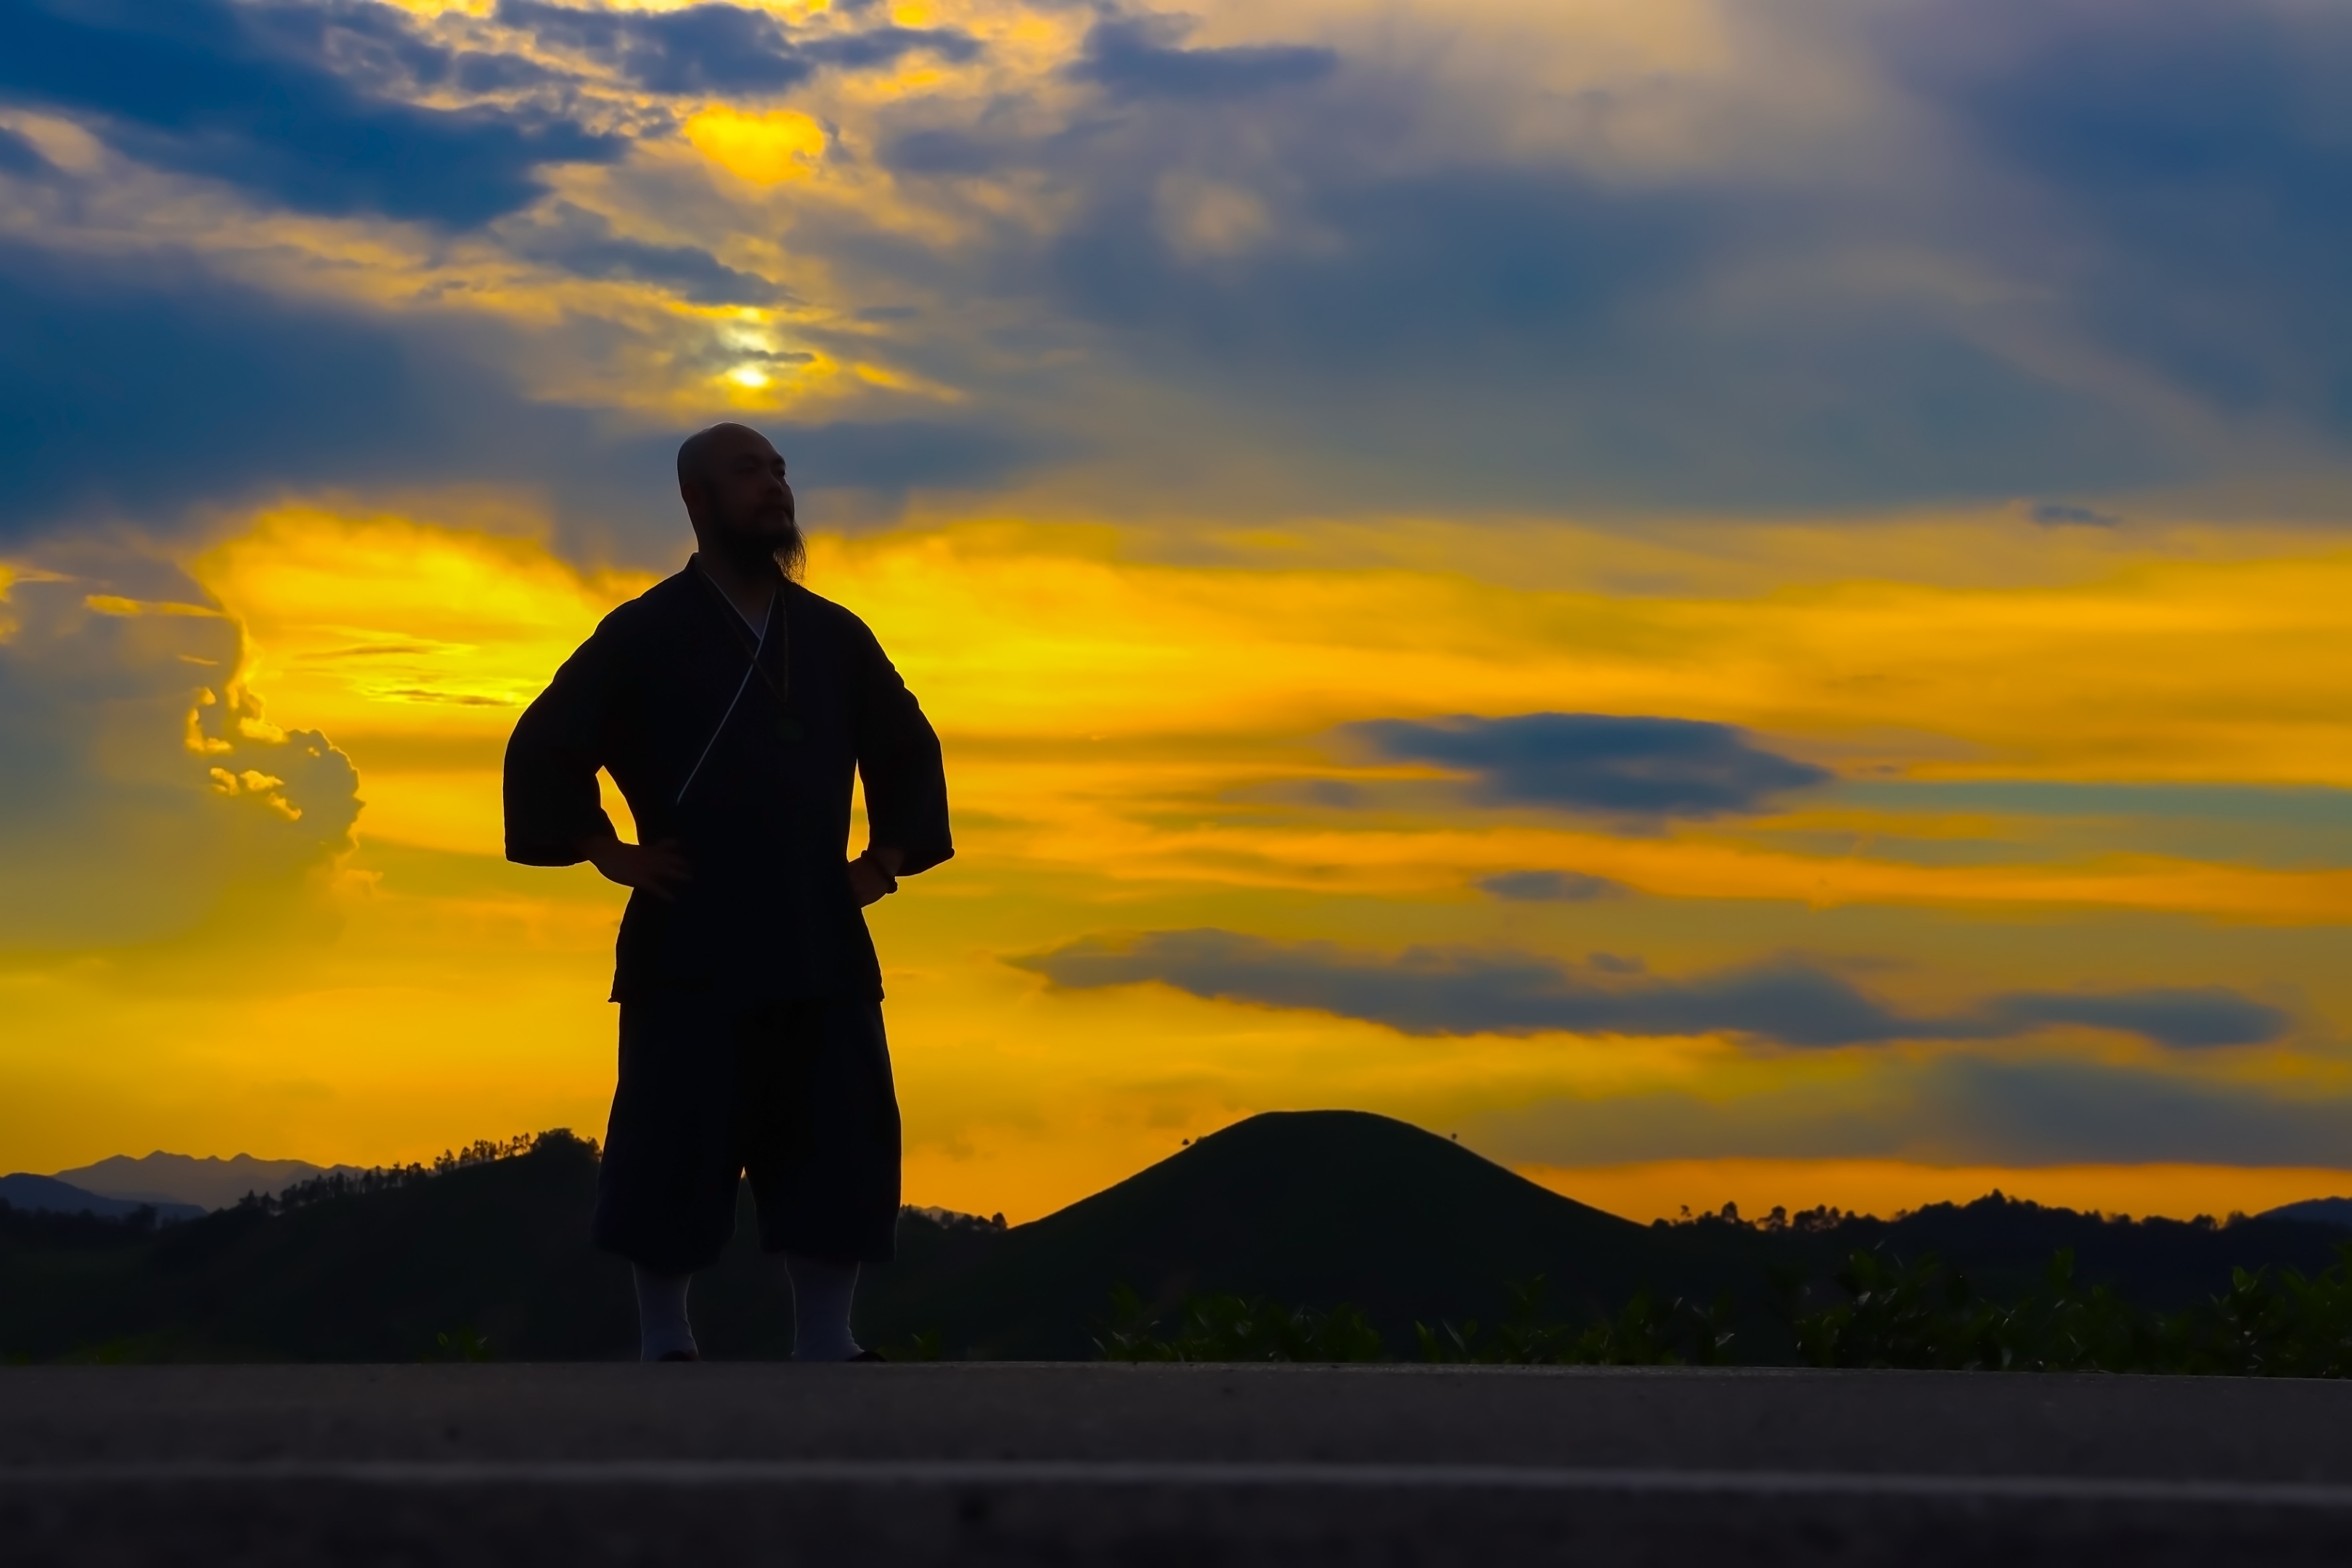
1024	1463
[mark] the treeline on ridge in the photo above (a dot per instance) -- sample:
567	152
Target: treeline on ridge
1301	1236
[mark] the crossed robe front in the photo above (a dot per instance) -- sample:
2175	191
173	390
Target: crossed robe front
769	916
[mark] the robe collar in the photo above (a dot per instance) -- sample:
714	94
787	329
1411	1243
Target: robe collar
770	652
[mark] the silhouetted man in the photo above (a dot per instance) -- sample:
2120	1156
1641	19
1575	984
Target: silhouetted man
732	707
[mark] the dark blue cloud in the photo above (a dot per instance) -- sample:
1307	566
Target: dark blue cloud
1507	266
941	151
478	70
698	48
718	48
1552	886
2193	157
18	156
583	244
153	390
1507	335
2183	1017
244	93
885	46
140	388
2065	514
1477	991
1526	337
1416	329
2078	1111
894	457
374	45
1464	991
1142	57
1953	1109
1618	767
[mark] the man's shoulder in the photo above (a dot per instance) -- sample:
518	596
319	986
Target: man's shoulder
651	611
818	611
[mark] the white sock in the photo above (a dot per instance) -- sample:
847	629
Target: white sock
822	1291
662	1328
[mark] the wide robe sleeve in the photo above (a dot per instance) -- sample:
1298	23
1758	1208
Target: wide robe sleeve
552	799
899	761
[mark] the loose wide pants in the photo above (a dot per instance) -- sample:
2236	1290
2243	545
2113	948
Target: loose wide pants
797	1095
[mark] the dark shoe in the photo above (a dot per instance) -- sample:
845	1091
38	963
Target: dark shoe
679	1355
869	1355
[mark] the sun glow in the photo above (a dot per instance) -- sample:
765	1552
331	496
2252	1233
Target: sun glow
765	148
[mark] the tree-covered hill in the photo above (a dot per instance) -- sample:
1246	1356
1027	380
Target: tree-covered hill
1316	1208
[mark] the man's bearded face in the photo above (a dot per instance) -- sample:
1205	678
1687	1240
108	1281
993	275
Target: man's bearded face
747	509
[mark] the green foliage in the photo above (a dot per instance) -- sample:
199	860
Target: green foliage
1228	1329
1646	1331
131	1350
462	1344
1920	1314
2283	1326
1895	1315
1923	1315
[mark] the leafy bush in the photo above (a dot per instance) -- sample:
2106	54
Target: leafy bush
1920	1314
1646	1331
464	1344
1923	1315
1228	1329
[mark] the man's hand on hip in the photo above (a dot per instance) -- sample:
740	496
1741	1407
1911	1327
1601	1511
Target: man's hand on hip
874	874
657	868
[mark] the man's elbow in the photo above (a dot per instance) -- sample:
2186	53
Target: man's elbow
543	852
916	858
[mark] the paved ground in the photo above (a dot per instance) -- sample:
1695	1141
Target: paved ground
1007	1463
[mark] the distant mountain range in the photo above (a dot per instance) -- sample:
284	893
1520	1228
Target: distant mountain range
171	1181
47	1194
210	1183
1311	1208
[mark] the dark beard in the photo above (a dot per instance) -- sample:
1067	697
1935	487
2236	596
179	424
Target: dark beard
746	551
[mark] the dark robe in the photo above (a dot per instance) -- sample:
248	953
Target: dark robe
769	916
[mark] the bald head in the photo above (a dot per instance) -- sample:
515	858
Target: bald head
733	482
699	451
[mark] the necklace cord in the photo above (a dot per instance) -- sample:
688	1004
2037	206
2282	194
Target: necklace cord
740	687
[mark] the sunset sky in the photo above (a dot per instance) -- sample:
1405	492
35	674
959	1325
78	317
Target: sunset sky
1725	600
